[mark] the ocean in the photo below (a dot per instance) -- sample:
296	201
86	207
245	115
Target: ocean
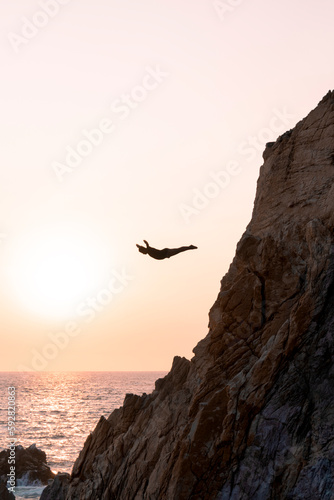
57	411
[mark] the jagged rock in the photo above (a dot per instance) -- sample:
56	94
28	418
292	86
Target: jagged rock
251	416
4	493
29	462
58	487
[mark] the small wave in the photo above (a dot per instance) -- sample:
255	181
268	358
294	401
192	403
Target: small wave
28	489
23	492
24	481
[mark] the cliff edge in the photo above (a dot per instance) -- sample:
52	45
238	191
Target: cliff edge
251	416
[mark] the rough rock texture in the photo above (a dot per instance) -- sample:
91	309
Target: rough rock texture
4	493
29	462
251	416
58	488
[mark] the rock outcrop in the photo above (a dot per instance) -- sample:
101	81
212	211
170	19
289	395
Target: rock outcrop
4	493
251	416
58	487
29	463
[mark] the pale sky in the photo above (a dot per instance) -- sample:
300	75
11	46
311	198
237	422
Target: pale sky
124	121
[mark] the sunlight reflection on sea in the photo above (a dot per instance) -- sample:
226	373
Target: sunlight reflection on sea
58	410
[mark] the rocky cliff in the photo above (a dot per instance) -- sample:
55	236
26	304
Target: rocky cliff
251	416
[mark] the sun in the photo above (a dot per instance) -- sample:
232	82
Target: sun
51	273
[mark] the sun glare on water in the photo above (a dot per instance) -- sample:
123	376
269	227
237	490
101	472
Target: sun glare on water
52	274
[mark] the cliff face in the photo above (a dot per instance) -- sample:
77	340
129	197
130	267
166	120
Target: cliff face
251	416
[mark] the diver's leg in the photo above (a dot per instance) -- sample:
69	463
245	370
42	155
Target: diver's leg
174	251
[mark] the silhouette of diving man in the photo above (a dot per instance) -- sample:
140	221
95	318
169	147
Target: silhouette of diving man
162	254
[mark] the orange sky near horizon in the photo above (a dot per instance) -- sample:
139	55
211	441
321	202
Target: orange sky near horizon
131	121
